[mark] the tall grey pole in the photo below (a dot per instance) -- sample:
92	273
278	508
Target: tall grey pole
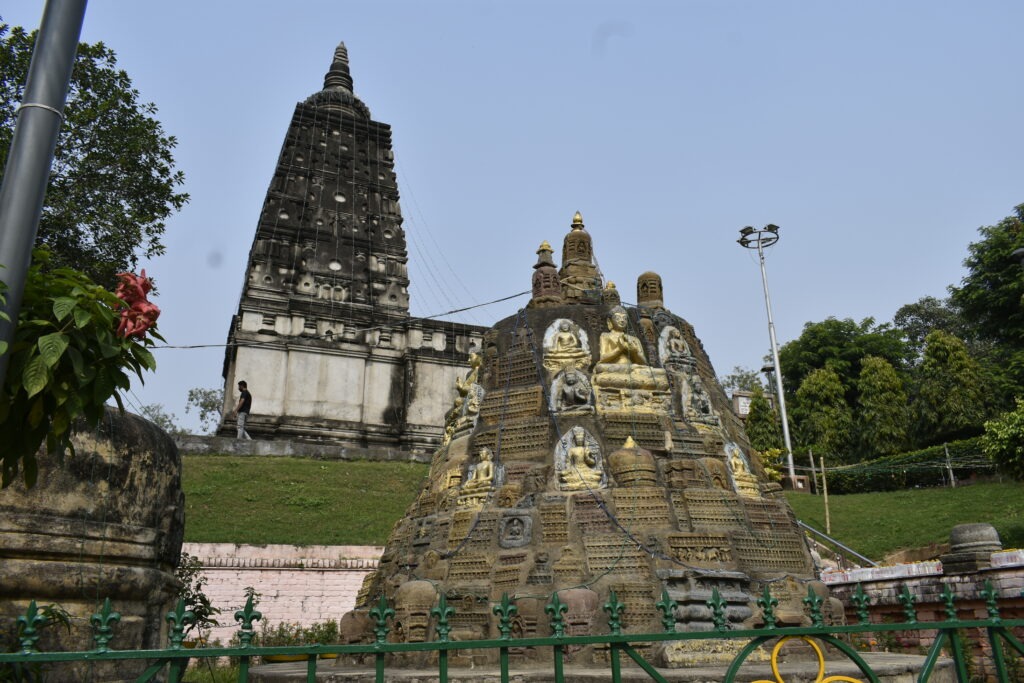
759	239
778	368
31	154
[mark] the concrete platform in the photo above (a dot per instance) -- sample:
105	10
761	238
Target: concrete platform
890	668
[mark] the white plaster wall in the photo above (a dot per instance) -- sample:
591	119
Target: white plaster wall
377	390
322	385
434	392
303	584
265	371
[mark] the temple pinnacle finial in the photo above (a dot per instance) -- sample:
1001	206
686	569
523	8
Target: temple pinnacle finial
338	77
544	246
577	221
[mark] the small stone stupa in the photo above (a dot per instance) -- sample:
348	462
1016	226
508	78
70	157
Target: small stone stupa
590	449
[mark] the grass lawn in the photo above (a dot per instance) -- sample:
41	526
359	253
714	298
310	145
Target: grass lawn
875	524
260	500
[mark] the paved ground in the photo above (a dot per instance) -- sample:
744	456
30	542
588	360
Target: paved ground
890	668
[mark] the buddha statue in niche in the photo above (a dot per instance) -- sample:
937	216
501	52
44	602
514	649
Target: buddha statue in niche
565	347
481	479
570	392
582	468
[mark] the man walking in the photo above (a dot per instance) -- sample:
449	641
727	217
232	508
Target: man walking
242	409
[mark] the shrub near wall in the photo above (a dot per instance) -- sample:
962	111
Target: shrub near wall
917	469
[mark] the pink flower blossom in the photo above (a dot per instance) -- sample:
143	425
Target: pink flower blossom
139	313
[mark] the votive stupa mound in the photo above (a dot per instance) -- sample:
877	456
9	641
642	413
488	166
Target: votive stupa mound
589	449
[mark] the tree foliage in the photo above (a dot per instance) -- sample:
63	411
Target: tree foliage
208	403
741	379
950	401
840	345
113	183
991	298
762	426
1003	441
824	419
158	415
883	418
66	361
990	294
917	320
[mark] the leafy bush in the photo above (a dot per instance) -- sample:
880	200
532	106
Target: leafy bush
193	583
294	633
922	468
74	348
1003	441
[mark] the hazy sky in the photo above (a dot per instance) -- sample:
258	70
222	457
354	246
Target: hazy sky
878	135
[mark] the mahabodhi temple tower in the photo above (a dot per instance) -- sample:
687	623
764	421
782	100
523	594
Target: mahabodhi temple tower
590	449
323	334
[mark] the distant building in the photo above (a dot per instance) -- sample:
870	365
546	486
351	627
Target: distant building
323	334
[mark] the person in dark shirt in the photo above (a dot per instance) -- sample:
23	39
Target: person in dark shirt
242	409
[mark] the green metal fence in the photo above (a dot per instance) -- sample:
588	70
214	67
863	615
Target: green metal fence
950	636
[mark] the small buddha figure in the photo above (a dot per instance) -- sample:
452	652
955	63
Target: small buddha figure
481	479
744	481
564	347
701	402
675	344
582	468
571	391
617	345
565	340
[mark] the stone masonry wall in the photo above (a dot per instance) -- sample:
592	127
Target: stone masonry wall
926	580
303	584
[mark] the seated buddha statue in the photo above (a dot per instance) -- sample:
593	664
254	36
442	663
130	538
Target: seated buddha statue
564	350
481	479
582	464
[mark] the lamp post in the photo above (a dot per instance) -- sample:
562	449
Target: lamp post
760	239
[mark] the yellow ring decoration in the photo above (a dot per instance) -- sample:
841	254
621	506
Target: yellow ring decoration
821	663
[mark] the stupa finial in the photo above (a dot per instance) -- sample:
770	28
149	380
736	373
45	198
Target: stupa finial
577	221
338	77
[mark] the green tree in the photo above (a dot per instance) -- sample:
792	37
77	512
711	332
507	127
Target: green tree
840	345
990	295
112	184
883	419
763	426
208	403
917	320
741	379
1003	441
950	400
822	416
158	415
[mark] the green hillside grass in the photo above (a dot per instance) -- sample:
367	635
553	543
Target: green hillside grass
875	524
260	500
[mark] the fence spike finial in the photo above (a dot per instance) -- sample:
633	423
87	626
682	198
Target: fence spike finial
102	624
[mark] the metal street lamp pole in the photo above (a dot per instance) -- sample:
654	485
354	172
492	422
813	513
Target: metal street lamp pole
759	239
30	155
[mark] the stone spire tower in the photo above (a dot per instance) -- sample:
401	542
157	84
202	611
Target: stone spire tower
322	334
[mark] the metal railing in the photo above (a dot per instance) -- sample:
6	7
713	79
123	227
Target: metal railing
950	639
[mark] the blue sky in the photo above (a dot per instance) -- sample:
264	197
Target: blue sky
878	135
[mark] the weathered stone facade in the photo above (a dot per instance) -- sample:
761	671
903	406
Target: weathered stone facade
323	334
590	449
106	522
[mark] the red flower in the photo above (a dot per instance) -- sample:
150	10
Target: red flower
139	313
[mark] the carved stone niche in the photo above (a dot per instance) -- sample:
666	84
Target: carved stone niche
515	530
106	523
